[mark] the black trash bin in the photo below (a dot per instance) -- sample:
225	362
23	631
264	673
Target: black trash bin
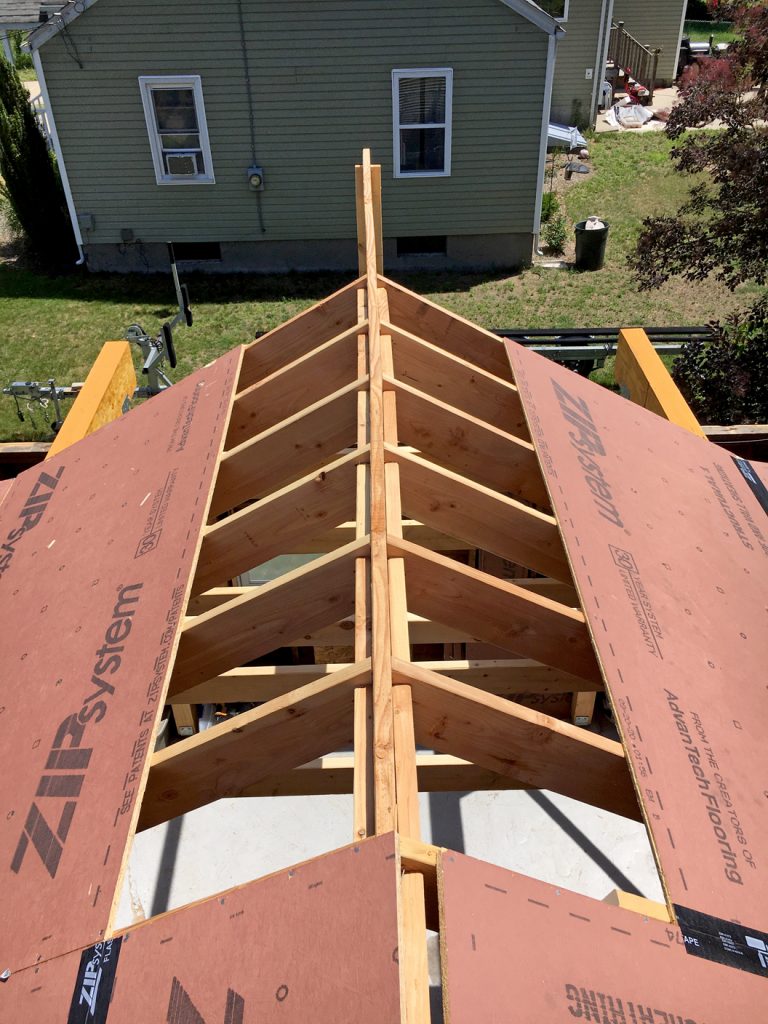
590	246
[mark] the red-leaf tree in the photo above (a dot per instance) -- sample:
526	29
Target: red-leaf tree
722	229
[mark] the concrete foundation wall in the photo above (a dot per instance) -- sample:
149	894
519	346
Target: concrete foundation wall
463	252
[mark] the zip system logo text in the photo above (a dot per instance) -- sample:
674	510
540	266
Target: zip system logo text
30	515
68	760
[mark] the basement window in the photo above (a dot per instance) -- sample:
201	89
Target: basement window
197	252
421	115
178	133
422	245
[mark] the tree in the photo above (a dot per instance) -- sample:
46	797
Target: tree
30	179
722	229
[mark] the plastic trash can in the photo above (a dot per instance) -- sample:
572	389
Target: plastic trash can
590	246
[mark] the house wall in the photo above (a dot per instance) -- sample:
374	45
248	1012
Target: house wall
321	85
577	51
655	23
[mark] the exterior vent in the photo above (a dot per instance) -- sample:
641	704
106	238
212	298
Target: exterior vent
181	164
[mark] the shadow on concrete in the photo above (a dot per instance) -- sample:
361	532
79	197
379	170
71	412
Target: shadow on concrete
445	819
167	867
615	874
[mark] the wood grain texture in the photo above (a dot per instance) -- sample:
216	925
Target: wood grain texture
497	611
225	759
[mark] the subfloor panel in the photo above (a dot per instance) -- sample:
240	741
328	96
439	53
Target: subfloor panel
318	942
668	541
99	543
518	951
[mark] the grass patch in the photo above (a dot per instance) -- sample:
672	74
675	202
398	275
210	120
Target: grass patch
54	327
700	31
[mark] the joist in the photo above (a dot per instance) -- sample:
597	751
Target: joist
275	524
457	382
482	517
226	758
534	749
287	451
497	611
505	677
469	446
300	335
269	617
449	331
293	387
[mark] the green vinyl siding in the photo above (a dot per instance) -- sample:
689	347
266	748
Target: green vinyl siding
321	86
655	24
577	51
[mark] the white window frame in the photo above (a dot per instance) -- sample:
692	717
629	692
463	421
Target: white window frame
147	84
562	20
397	75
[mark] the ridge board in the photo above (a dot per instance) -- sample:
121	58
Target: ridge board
315	942
515	950
99	548
669	550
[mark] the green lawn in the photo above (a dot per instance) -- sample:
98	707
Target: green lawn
54	327
700	31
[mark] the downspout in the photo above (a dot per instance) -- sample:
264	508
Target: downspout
59	157
604	38
547	103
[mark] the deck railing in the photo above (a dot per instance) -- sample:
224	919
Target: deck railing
635	59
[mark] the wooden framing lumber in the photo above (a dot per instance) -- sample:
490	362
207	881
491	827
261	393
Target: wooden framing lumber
535	749
457	382
497	611
105	395
226	758
293	387
300	335
644	377
447	330
505	677
638	905
468	445
482	517
269	617
275	524
287	451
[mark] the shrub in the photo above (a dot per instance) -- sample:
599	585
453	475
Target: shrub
31	182
555	234
549	206
21	59
726	381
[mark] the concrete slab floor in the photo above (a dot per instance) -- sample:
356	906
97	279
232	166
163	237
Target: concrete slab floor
234	841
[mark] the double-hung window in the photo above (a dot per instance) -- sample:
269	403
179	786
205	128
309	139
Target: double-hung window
421	116
178	134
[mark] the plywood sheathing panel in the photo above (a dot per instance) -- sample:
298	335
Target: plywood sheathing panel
92	595
669	550
517	951
315	942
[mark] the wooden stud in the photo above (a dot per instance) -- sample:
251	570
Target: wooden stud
293	387
299	335
273	525
287	451
457	382
267	617
226	758
482	517
469	446
499	612
535	749
638	905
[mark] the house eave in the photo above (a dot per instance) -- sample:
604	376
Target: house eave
56	23
526	8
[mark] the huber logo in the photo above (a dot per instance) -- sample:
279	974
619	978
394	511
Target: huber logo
30	515
68	759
